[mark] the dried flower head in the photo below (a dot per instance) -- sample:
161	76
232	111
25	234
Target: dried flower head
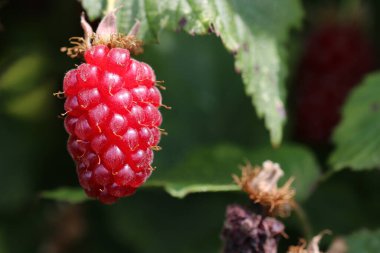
106	34
246	231
261	186
338	245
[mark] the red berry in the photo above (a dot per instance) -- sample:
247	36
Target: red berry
96	55
336	57
112	119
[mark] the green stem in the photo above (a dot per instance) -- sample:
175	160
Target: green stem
304	220
110	6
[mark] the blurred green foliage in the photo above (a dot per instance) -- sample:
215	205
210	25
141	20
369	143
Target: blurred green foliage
364	241
209	108
357	138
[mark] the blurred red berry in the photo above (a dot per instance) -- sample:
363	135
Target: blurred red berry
335	59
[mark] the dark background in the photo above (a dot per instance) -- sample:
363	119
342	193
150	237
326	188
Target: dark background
209	107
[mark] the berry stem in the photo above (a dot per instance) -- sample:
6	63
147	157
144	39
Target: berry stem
110	6
304	220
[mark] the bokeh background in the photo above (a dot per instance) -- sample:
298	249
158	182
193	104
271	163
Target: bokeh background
209	108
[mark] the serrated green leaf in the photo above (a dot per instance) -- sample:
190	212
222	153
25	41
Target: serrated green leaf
253	30
211	169
357	137
364	241
67	194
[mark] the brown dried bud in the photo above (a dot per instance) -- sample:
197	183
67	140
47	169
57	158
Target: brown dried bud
261	186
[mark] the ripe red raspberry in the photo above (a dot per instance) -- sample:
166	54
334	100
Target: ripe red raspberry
336	57
113	121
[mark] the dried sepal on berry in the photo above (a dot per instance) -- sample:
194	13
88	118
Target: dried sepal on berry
106	34
313	246
261	186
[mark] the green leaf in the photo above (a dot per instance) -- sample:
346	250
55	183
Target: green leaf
364	241
211	169
253	30
68	194
357	137
206	169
